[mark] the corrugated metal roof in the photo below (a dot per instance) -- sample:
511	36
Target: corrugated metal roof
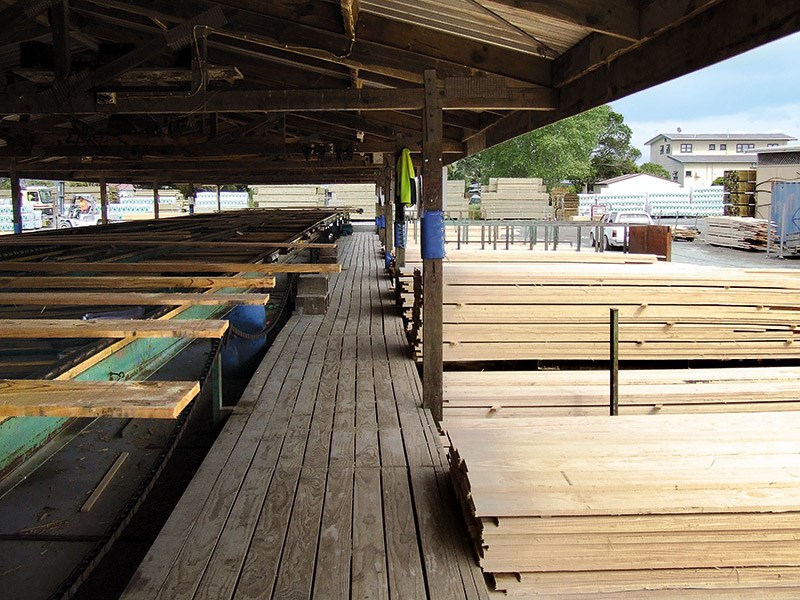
481	21
555	34
711	137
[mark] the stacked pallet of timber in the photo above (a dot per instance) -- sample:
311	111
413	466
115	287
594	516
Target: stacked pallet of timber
357	196
507	198
471	396
457	204
668	311
744	233
619	507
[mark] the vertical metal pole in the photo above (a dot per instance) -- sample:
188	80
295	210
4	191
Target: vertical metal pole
614	358
580	231
219	198
546	237
483	237
494	241
506	237
432	364
555	237
216	388
103	201
16	198
156	208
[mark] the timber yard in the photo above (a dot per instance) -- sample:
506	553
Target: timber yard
255	345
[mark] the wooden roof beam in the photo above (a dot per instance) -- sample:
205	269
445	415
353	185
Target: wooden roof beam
62	53
173	39
498	98
596	49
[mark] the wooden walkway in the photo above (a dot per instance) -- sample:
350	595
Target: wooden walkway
328	481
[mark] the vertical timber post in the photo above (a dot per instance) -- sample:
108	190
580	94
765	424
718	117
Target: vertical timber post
155	200
16	198
103	201
389	211
432	268
400	211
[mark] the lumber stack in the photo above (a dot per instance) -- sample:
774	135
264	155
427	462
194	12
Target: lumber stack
471	396
740	193
744	233
409	292
616	507
667	312
508	198
457	203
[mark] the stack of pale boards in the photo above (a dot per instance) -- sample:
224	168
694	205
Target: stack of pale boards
667	311
744	233
677	505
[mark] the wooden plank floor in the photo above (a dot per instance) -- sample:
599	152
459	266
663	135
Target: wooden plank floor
328	481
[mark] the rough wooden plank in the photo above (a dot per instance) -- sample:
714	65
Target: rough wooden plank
120	399
260	570
369	570
406	579
136	282
111	328
332	575
129	299
167	267
296	574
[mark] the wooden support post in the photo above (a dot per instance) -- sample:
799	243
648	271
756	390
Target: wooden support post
432	365
103	201
155	199
16	198
400	213
390	211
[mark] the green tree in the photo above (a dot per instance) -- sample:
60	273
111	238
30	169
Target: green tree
655	169
566	151
614	156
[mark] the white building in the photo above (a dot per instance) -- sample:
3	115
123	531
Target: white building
697	159
635	183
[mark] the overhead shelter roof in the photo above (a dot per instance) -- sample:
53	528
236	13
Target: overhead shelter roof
299	90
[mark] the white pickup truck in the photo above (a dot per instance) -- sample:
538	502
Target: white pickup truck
614	236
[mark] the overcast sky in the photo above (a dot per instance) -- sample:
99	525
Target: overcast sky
755	92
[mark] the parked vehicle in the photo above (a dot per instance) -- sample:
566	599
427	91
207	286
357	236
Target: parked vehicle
614	235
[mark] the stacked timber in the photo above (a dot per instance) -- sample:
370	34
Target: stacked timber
744	233
471	396
624	506
457	203
507	198
740	193
356	196
667	311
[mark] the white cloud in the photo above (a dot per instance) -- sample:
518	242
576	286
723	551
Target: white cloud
780	119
